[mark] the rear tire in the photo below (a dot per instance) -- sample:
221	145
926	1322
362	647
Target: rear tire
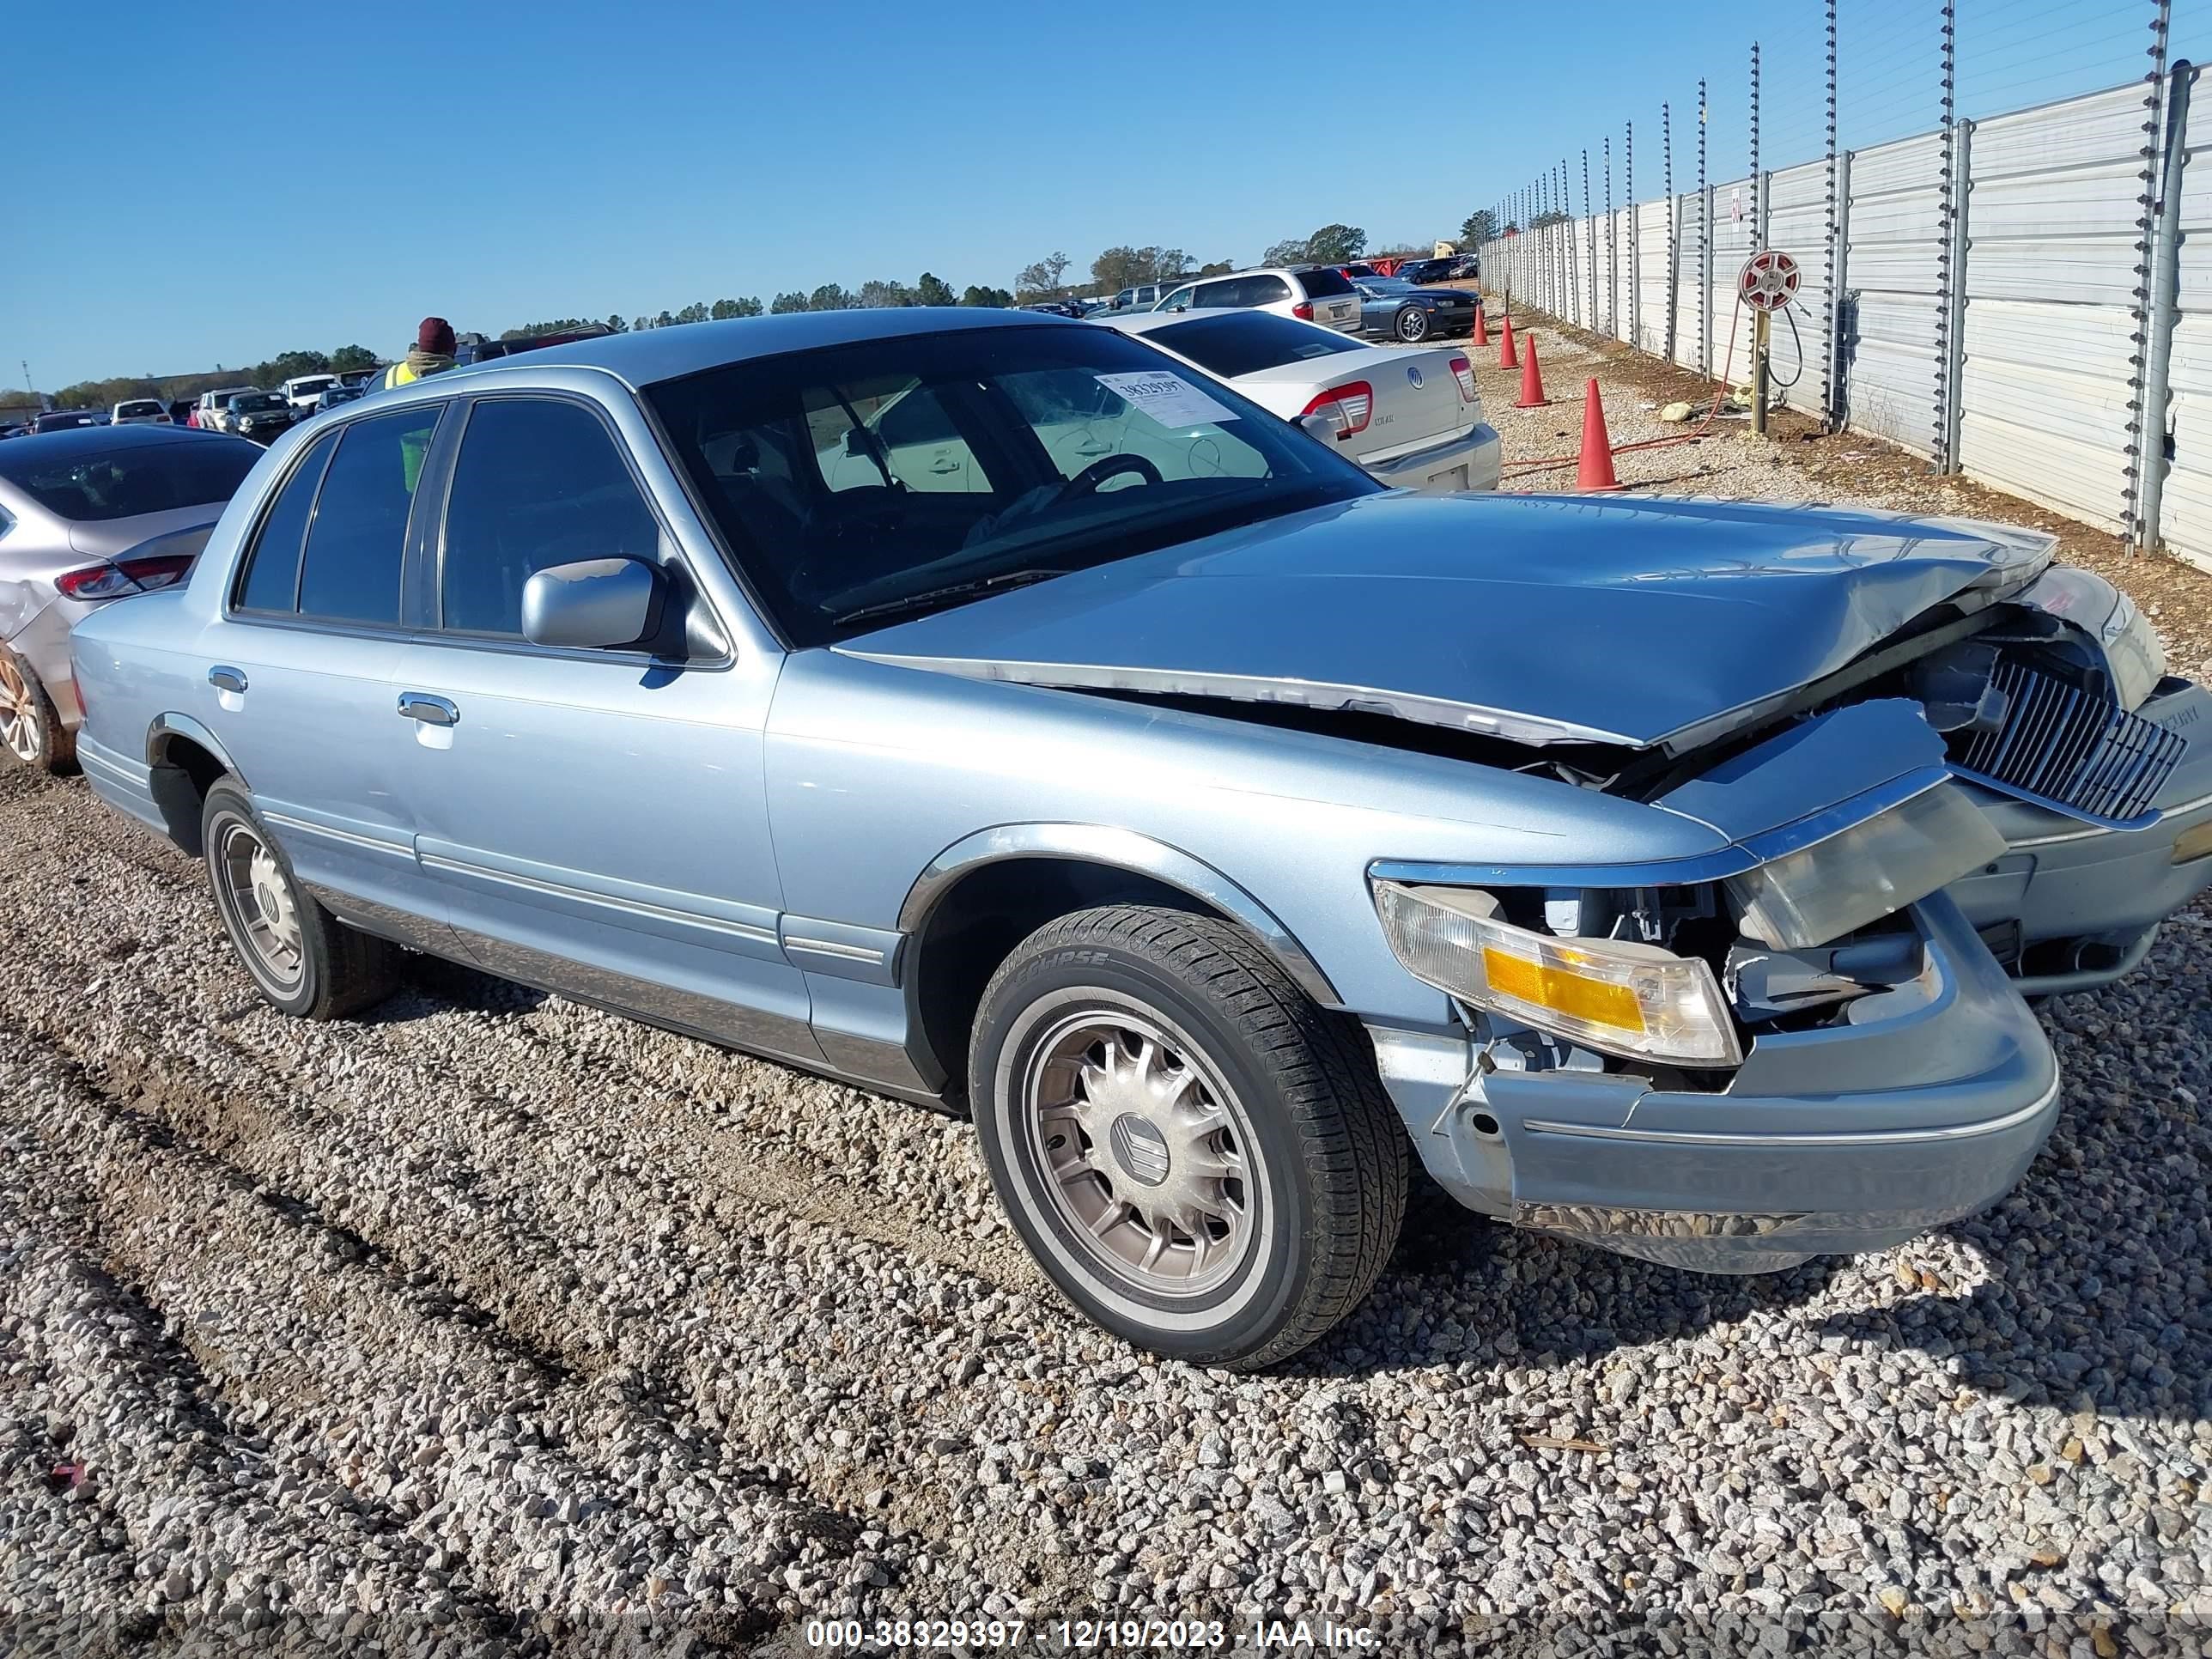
31	729
1201	1158
303	960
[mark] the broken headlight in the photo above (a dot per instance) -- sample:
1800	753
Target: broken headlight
1835	886
1617	996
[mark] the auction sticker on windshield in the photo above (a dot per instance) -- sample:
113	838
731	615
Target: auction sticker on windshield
1167	398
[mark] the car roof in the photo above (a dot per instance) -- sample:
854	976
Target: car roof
99	440
643	356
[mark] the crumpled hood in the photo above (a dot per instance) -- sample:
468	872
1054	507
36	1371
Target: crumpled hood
1540	619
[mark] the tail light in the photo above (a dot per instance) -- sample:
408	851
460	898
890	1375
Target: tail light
1303	311
1349	406
1463	371
112	581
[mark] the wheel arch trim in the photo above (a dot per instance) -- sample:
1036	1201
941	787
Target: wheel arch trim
172	725
1123	849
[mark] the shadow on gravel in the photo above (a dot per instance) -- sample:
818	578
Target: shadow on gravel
432	984
1462	1289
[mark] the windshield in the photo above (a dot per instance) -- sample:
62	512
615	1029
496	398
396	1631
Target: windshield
259	400
139	409
858	478
1233	343
313	385
124	482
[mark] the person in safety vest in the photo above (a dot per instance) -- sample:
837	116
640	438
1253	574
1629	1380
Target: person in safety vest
433	352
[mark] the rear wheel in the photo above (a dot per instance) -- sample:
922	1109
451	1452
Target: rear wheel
1412	324
30	727
1201	1158
302	959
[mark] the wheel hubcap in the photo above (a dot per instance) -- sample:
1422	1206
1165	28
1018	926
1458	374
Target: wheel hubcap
259	900
19	715
1146	1156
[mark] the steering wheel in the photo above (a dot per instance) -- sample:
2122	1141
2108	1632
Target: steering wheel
1086	481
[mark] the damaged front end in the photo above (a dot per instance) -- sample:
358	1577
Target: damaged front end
1814	1041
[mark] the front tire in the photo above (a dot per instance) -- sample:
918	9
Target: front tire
1200	1158
1412	325
303	960
31	728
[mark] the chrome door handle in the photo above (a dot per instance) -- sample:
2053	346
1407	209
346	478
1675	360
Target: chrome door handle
431	711
226	679
945	464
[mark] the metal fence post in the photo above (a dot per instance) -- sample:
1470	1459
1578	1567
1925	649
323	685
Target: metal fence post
1589	213
2165	294
1612	250
1705	251
1635	241
1955	370
2143	428
1837	371
1831	256
1674	220
1946	252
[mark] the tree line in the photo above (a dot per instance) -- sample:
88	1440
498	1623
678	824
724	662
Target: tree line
1112	270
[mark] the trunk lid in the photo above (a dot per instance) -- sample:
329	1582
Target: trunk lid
1537	619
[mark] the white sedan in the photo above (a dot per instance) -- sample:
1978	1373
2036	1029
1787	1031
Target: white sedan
1411	419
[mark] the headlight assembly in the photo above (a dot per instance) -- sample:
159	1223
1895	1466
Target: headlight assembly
1614	995
1815	895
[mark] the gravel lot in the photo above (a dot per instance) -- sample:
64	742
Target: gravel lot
495	1324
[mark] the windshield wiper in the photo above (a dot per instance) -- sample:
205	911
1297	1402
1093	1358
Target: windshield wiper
930	598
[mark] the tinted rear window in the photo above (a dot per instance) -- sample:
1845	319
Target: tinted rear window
1324	284
124	482
1242	341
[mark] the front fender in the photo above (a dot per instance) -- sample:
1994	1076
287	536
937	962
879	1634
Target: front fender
1121	849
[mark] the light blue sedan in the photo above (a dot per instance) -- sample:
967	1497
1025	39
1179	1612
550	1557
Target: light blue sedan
1223	829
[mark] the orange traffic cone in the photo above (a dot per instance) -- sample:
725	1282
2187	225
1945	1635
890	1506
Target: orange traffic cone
1506	357
1532	380
1594	471
1481	336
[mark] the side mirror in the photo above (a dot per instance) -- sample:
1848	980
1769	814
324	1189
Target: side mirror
593	604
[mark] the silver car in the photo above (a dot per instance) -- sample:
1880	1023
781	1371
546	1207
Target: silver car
88	516
1222	829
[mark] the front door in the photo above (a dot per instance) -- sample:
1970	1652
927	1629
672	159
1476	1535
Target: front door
596	819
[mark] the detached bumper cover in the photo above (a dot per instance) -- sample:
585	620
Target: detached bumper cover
1929	1106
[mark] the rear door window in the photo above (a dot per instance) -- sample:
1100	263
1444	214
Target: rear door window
272	566
538	483
350	571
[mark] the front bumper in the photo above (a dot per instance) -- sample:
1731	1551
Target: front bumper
1929	1105
1471	461
2075	903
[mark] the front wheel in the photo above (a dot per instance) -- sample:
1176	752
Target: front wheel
303	960
1200	1158
1412	325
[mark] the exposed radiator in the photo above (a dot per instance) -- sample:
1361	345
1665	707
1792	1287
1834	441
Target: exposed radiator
2070	749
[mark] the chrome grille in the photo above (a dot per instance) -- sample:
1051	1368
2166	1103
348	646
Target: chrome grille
2067	746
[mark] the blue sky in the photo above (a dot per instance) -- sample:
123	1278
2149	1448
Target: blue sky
327	173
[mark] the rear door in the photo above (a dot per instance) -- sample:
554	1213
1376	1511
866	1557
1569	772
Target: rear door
304	691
